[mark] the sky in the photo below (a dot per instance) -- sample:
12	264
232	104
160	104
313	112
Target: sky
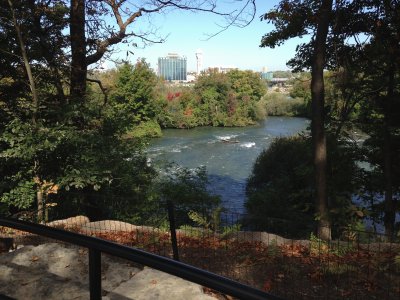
186	32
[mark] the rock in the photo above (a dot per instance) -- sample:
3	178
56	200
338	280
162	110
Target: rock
107	226
55	271
73	222
258	236
151	284
58	271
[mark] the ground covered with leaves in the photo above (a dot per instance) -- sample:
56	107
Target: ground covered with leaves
292	271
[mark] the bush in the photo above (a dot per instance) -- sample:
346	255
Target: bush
186	189
279	104
146	129
280	189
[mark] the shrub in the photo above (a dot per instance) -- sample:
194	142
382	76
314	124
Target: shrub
280	189
279	104
145	129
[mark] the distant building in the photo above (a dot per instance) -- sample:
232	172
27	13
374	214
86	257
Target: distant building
172	67
191	76
199	61
267	75
224	69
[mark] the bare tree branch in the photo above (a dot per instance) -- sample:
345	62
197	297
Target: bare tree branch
235	18
102	45
102	88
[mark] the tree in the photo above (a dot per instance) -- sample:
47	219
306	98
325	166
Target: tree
25	137
280	187
317	123
133	94
89	50
230	99
297	18
380	110
362	48
74	148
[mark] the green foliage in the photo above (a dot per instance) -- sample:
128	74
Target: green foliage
281	187
273	249
199	219
230	229
185	188
21	196
357	232
211	223
149	129
79	149
194	232
131	100
217	99
318	246
338	269
279	104
282	74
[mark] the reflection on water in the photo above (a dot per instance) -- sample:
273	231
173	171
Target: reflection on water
227	153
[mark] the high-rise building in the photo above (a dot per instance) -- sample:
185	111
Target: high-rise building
172	67
266	75
199	61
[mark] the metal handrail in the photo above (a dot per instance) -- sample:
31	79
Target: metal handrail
97	246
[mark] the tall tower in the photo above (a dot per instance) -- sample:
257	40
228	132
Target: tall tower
199	60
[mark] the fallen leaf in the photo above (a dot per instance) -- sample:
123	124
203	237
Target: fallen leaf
267	285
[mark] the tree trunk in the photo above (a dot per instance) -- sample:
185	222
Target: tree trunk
318	123
78	51
390	211
35	100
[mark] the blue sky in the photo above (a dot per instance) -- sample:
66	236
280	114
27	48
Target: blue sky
237	47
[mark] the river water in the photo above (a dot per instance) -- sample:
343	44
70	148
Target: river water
227	153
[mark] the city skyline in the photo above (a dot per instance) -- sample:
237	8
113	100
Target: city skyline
186	32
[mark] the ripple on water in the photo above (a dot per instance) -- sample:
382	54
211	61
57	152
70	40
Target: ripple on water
226	137
228	167
248	145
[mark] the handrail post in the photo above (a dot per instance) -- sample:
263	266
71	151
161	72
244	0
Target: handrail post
95	274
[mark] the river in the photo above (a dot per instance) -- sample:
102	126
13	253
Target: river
228	153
